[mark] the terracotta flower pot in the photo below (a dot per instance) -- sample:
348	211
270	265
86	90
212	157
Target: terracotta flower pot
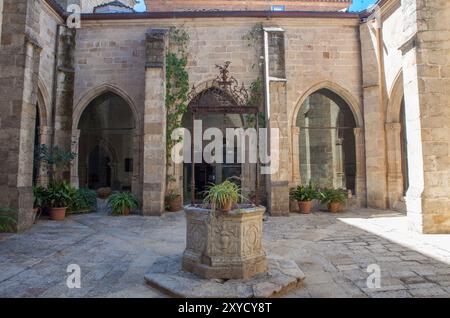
58	214
334	207
126	211
226	207
304	206
175	205
104	193
35	211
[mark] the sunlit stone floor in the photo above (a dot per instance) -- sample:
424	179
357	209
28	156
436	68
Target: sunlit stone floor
334	251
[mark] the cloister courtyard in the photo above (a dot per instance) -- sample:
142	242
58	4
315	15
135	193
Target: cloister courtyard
333	250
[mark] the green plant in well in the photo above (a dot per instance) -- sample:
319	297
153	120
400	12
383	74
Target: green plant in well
84	200
329	195
305	193
120	201
39	197
7	222
60	194
218	195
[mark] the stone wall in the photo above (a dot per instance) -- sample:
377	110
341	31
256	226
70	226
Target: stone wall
426	67
21	61
230	5
320	53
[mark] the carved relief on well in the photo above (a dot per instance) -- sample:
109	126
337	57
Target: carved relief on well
224	245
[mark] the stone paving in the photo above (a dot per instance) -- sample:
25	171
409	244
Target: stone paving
115	253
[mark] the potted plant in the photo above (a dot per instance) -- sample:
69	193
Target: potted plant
7	222
173	200
60	195
39	198
84	201
222	196
122	203
334	198
304	195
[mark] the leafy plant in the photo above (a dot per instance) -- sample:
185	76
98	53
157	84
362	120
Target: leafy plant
172	195
121	201
7	222
84	200
328	195
60	194
39	197
219	195
55	158
304	193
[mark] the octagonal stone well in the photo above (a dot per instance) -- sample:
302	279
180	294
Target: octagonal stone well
224	245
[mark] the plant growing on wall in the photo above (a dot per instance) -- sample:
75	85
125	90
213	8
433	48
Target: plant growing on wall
254	38
177	85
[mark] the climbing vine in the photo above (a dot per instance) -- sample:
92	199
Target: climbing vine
177	84
254	38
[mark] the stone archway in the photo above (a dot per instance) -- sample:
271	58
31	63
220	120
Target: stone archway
117	127
396	146
355	133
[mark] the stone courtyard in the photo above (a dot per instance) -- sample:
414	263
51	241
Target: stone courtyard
334	251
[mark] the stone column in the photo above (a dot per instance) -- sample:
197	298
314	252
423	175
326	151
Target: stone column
64	93
360	167
136	182
426	68
394	173
19	65
295	133
278	185
154	160
74	179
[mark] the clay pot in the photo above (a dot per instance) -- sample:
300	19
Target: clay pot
334	207
304	206
175	204
35	211
126	211
226	207
58	214
104	193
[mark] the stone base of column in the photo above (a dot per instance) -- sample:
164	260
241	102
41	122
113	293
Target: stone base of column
279	199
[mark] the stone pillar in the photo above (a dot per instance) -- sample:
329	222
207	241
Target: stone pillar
19	65
154	161
426	72
374	119
360	167
64	93
295	133
74	178
136	182
394	174
278	185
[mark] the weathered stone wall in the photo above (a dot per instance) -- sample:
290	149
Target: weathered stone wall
230	5
20	63
426	67
320	53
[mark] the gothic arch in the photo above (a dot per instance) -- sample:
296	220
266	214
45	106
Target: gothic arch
335	88
396	152
395	100
43	102
98	91
355	109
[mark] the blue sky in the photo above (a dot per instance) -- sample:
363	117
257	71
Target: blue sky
358	5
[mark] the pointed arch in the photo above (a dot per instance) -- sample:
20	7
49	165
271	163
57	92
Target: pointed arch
98	91
395	100
337	89
43	102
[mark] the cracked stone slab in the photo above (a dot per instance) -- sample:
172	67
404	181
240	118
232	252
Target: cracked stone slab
166	275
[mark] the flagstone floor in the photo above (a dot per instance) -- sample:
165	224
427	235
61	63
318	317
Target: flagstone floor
334	251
